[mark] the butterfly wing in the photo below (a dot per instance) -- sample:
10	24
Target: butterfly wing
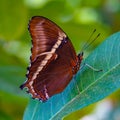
52	61
44	34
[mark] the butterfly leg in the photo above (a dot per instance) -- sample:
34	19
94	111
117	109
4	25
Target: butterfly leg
91	67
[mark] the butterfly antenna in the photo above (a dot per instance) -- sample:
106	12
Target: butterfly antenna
86	43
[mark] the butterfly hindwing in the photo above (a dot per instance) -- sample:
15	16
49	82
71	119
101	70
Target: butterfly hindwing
57	74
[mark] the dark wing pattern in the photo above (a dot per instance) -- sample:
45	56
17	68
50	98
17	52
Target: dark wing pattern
52	61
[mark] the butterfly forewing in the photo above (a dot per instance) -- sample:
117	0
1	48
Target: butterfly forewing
44	35
53	59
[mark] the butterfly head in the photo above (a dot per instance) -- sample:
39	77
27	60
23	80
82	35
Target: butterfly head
80	57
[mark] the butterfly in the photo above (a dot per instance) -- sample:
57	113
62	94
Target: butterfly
53	61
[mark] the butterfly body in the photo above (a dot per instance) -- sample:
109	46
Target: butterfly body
53	60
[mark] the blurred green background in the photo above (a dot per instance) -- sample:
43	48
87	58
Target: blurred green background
78	18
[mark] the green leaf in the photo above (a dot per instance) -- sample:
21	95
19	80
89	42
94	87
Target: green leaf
86	87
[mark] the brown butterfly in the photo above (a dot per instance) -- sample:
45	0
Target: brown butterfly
53	60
